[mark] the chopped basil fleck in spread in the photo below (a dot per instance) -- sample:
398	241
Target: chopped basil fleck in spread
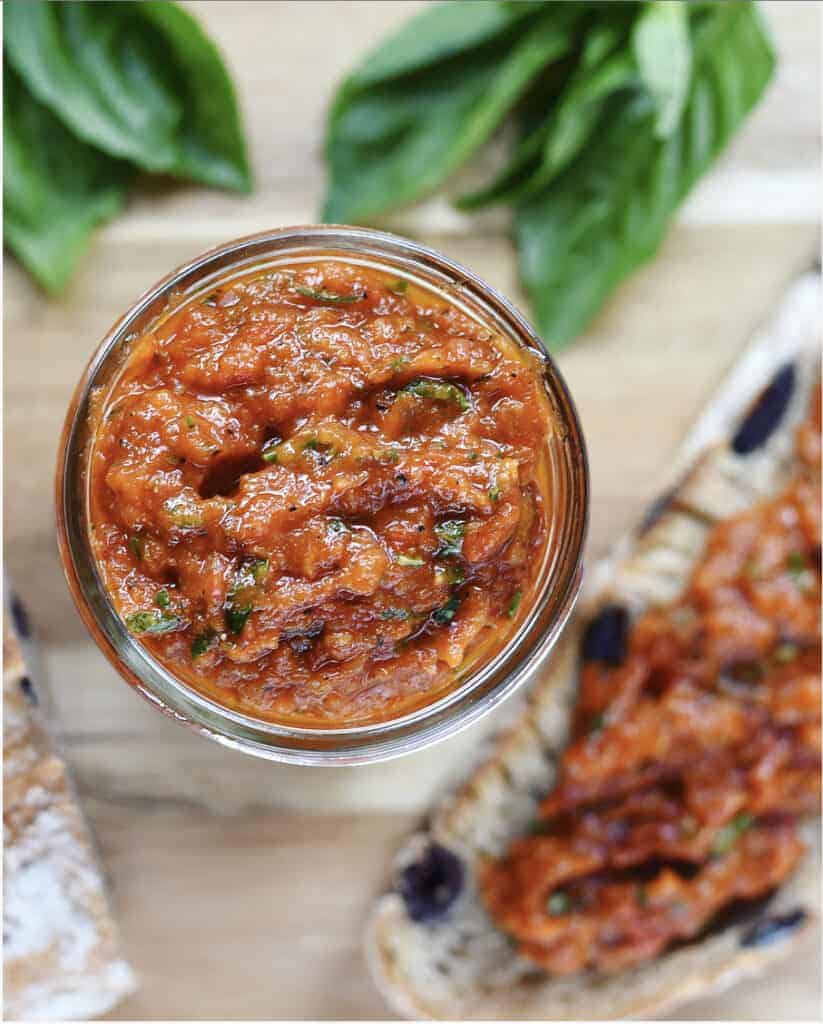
201	643
152	622
236	616
444	615
558	903
396	614
785	653
730	833
321	295
249	574
437	391
239	605
452	571
514	604
162	599
336	527
269	453
184	512
796	562
800	571
413	560
450	534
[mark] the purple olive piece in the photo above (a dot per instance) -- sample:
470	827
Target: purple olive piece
606	634
430	885
28	691
20	617
773	929
765	414
656	510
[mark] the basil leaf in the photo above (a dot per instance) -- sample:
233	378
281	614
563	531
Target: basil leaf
662	48
608	211
442	31
140	81
605	67
56	189
393	141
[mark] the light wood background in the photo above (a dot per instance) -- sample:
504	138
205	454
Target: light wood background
241	886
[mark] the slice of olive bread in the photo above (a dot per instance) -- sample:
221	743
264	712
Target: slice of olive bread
61	957
433	949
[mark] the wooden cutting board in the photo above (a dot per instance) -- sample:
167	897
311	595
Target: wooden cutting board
241	886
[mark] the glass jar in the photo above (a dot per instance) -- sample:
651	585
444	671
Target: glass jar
556	590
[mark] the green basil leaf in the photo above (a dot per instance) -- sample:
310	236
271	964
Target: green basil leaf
662	48
442	31
605	68
140	81
56	189
394	141
608	211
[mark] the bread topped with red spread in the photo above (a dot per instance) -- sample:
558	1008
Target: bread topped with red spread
643	832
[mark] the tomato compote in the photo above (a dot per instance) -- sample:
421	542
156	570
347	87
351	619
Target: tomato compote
320	493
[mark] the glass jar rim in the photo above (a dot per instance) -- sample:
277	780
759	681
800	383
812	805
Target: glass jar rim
453	711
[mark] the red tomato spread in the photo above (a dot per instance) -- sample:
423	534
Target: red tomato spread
691	760
320	493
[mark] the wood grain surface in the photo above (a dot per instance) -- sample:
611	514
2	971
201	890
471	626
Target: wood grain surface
241	886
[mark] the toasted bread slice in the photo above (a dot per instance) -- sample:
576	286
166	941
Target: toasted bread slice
460	966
